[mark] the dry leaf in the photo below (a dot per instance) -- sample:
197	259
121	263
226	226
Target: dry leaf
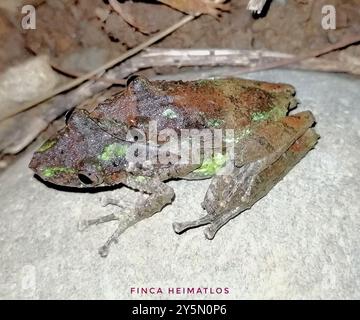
128	11
212	7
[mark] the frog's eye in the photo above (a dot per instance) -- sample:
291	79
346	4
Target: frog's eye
89	178
68	114
131	79
137	83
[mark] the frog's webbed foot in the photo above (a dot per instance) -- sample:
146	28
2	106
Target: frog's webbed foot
160	194
114	238
180	227
105	201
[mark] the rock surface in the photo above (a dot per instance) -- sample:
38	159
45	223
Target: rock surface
301	241
25	82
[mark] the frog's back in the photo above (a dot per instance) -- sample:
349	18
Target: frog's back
225	103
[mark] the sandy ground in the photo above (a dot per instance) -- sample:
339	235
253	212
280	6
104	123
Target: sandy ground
301	241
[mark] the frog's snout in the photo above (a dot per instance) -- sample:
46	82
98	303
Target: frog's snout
34	163
50	168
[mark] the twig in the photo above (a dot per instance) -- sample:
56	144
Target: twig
74	83
346	41
159	57
18	131
244	60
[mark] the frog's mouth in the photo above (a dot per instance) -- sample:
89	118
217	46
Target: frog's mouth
58	175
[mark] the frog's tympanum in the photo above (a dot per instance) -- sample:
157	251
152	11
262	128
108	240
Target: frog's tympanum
112	145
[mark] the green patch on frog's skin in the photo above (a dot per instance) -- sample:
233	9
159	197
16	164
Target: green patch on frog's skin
246	132
214	123
243	134
170	114
279	112
211	166
274	114
113	151
203	82
260	116
47	145
209	82
141	179
53	171
110	124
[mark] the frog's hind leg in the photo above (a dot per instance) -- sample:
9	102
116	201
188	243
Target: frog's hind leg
239	190
180	227
265	180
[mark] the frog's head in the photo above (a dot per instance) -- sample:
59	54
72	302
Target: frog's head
81	155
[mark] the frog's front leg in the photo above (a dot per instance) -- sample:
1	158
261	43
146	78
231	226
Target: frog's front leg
160	194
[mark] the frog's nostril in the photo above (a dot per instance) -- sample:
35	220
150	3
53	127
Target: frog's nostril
34	163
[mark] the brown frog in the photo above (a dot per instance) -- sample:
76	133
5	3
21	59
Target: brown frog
115	144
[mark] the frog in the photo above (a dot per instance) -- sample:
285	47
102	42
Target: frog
261	140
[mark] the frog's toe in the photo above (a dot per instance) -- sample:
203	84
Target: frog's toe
105	201
82	225
103	251
209	233
180	227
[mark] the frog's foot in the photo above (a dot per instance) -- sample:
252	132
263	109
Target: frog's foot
214	227
180	227
160	194
114	238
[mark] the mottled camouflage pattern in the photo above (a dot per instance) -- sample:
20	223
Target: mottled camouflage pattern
91	150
